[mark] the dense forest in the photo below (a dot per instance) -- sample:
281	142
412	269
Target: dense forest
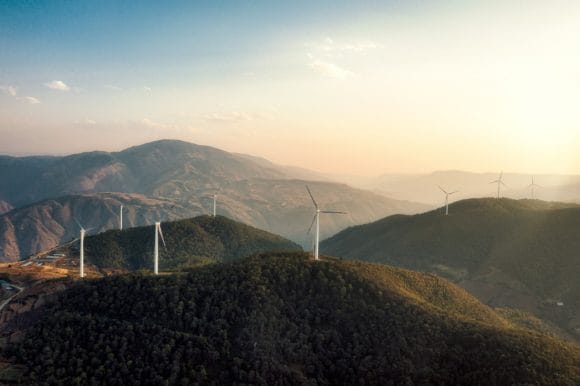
278	319
533	241
187	242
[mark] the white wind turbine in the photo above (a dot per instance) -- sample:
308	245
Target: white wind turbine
532	186
499	182
447	194
121	218
83	231
158	233
316	220
214	197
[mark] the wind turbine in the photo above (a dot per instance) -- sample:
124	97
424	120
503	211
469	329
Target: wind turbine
158	233
316	220
532	185
214	196
499	182
83	231
121	218
447	194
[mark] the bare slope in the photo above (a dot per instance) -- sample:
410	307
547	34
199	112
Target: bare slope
250	190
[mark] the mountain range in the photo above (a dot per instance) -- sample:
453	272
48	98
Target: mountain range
280	319
522	254
42	194
425	187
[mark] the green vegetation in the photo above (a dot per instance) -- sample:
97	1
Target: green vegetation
531	241
282	319
189	242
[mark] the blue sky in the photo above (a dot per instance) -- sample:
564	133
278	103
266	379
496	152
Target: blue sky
343	86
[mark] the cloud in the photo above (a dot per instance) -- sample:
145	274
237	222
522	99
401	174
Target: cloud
112	87
57	85
330	70
29	99
10	90
87	122
231	117
330	48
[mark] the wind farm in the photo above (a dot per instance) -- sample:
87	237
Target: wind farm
289	193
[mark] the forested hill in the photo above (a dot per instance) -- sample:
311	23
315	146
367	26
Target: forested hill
187	242
532	241
285	319
509	253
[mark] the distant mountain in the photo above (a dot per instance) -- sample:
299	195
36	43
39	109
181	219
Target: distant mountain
522	254
283	319
423	187
181	175
187	241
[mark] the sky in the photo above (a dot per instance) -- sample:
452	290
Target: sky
349	87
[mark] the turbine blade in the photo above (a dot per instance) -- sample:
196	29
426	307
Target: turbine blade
332	211
162	239
455	191
312	197
78	223
501	182
311	225
443	190
495	182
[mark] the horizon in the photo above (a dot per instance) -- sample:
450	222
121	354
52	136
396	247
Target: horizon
327	173
336	87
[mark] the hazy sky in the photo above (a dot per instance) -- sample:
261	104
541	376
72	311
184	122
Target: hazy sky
361	87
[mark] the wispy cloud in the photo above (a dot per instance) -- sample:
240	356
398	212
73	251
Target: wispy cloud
57	85
231	117
112	87
29	99
10	90
326	54
330	47
330	70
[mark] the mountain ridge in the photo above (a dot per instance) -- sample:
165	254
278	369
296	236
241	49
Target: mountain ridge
509	253
283	318
262	194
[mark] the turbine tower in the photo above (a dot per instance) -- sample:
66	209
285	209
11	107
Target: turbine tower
82	253
316	220
121	218
83	231
214	197
499	182
158	233
447	194
532	186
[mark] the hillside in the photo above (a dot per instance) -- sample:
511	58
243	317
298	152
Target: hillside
49	223
283	319
187	241
250	190
521	254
